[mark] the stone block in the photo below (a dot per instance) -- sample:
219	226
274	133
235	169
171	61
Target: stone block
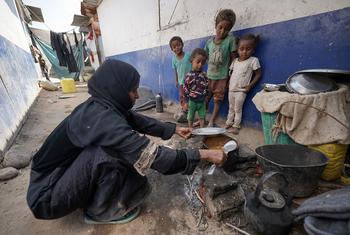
8	173
17	156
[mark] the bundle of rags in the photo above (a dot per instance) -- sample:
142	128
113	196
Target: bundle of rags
327	213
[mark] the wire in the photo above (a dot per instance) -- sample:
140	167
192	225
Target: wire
71	29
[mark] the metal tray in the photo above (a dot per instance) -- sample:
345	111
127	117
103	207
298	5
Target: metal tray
209	131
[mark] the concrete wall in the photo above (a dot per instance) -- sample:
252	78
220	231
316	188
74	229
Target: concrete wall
295	35
18	73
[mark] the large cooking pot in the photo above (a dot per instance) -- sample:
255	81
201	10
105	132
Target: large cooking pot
302	166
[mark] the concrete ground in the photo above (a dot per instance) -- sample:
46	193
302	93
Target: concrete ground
165	210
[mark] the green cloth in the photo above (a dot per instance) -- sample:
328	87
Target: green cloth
219	57
196	106
61	71
182	67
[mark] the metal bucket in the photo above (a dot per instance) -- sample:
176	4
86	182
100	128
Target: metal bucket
302	166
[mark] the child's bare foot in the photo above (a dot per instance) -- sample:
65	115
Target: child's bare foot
196	124
233	130
227	126
210	124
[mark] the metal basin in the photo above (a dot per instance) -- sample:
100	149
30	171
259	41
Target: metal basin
301	166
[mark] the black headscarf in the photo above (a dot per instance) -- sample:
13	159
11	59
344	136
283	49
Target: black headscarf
99	120
111	83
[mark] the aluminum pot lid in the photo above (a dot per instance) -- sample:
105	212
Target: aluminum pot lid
306	83
328	72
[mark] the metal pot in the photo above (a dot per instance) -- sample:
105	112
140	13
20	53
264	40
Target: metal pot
267	210
301	166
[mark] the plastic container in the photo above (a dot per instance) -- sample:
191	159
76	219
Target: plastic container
336	156
68	85
268	120
302	166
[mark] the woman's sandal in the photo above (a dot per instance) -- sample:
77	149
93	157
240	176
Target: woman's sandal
131	215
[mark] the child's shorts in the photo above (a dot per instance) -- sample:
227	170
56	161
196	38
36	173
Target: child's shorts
196	106
217	89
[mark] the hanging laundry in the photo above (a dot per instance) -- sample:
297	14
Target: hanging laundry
71	63
56	44
90	36
75	38
52	55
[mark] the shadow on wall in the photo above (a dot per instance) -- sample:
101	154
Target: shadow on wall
319	41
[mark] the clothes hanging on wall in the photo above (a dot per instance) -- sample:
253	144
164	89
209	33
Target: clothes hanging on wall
75	38
56	44
61	44
52	55
71	63
32	51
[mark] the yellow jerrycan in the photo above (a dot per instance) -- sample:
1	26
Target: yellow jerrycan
68	85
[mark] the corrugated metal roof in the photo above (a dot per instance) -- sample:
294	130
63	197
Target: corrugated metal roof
93	2
79	20
84	29
35	13
88	7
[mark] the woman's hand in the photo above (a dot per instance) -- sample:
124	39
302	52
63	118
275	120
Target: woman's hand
218	157
184	132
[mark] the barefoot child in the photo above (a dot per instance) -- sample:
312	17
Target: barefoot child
221	50
181	64
244	68
196	86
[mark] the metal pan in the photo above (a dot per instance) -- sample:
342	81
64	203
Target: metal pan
209	131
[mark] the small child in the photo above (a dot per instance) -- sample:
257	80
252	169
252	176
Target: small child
196	86
243	69
181	64
221	50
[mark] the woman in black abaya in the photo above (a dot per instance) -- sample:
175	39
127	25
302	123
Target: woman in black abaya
96	159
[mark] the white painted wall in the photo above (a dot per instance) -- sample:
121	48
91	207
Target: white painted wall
11	26
133	25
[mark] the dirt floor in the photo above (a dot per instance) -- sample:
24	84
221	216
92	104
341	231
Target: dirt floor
165	210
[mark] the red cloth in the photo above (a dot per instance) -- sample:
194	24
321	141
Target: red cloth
90	36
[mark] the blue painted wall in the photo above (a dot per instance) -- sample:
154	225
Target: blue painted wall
319	41
18	85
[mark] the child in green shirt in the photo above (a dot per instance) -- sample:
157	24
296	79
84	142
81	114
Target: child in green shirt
221	50
182	65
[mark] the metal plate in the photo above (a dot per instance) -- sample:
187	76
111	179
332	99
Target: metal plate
209	131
